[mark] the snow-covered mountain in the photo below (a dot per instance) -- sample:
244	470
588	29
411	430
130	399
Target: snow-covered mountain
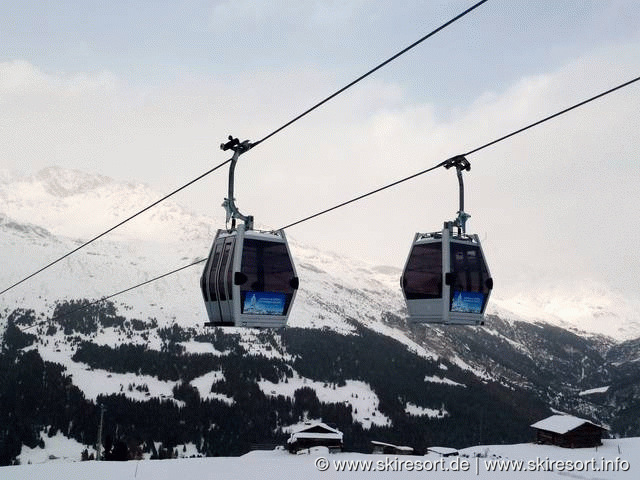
50	213
78	205
534	346
587	307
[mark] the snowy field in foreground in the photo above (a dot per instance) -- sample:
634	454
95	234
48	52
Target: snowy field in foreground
620	455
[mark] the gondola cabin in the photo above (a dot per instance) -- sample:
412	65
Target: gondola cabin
446	278
249	279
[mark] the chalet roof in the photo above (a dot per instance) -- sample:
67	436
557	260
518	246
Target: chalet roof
397	447
562	423
317	430
324	436
442	450
319	427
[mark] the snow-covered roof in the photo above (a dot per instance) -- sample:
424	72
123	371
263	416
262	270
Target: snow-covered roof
562	423
326	433
397	447
314	425
442	450
324	436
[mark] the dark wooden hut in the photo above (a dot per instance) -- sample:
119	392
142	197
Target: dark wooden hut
568	431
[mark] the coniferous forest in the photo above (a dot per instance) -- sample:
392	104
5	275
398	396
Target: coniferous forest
38	396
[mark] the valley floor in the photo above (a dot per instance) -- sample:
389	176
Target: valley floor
617	458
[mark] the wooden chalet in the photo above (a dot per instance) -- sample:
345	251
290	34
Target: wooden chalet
568	431
316	434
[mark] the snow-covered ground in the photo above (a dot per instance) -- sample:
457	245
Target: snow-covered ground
594	390
445	381
616	459
58	447
587	306
204	383
95	382
418	411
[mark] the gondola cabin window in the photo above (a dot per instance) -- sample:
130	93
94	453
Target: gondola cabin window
268	288
423	274
226	267
213	295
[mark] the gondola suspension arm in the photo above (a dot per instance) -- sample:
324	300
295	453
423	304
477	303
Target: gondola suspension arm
229	204
461	164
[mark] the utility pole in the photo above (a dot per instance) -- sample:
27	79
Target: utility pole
99	449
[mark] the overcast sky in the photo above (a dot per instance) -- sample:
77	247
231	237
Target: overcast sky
146	91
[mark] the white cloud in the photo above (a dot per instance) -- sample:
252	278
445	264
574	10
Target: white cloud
557	202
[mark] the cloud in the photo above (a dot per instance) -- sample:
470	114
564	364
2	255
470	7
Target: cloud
553	204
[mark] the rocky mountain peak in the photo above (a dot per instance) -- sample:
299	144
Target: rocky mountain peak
62	182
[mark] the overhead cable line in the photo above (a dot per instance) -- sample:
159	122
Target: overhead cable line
364	195
557	114
333	95
397	182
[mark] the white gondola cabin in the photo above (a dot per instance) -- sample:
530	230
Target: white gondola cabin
249	279
446	279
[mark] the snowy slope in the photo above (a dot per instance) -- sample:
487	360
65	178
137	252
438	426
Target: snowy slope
75	204
588	307
48	215
41	219
355	393
523	461
333	288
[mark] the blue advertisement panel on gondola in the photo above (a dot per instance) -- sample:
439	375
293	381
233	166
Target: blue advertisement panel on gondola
467	302
264	303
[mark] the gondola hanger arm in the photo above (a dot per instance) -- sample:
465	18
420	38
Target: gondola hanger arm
461	164
229	204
